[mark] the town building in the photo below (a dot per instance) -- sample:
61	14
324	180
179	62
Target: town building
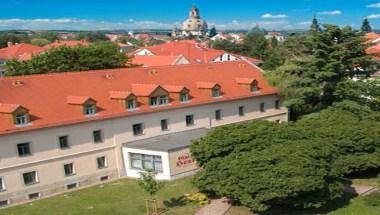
62	131
194	25
192	51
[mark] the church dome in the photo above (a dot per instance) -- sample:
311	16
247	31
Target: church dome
194	23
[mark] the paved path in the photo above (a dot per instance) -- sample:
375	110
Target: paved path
216	207
361	190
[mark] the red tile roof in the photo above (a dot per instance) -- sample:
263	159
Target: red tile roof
22	51
120	94
244	80
68	43
160	60
46	95
206	85
372	36
8	108
192	51
78	100
174	88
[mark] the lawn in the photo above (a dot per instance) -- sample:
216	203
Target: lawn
118	197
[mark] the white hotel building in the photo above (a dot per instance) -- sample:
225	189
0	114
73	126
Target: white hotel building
63	131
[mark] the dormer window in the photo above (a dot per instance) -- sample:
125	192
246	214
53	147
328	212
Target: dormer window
184	97
254	87
164	100
131	104
89	109
86	104
21	119
215	92
161	100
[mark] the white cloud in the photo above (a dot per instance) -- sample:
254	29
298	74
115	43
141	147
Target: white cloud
304	23
374	16
274	16
332	13
376	5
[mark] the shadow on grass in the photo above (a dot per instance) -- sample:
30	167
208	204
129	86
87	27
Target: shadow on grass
175	202
330	207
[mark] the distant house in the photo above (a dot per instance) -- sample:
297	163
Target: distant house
279	37
193	52
68	43
160	60
235	38
20	52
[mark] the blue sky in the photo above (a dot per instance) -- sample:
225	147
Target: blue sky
141	14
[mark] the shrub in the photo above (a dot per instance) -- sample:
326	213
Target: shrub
200	198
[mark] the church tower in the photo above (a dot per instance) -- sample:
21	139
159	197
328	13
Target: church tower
194	25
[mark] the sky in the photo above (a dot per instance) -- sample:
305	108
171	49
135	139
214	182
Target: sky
164	14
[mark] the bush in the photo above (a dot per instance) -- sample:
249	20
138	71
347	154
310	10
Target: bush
372	199
200	198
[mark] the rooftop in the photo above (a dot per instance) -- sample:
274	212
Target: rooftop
46	96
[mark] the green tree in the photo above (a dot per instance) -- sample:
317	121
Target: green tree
213	32
40	41
265	164
151	186
48	35
255	44
13	38
366	27
102	55
92	36
274	42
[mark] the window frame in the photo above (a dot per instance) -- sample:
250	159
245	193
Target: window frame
216	92
218	115
100	135
105	162
90	109
144	158
184	97
72	169
131	104
36	179
164	126
29	149
2	184
241	110
192	120
262	107
21	119
66	137
138	132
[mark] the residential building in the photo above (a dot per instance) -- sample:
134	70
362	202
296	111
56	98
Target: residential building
62	131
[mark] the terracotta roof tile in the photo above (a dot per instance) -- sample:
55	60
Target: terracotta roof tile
78	100
206	85
68	43
120	94
9	108
22	51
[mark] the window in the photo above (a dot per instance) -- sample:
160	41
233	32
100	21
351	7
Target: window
131	104
34	196
21	119
189	120
30	178
241	111
164	100
254	87
89	109
63	142
138	129
72	186
262	107
97	136
69	169
164	125
153	101
2	184
104	178
184	97
277	104
102	162
24	149
218	115
144	162
215	92
4	203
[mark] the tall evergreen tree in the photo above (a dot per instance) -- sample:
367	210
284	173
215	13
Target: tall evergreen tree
315	27
366	27
213	32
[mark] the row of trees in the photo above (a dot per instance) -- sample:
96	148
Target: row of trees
101	55
300	164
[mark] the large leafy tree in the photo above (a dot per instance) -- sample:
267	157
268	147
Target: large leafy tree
265	164
103	55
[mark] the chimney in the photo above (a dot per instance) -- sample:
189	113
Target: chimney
9	44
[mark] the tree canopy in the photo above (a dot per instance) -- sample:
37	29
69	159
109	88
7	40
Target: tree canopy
102	55
366	27
301	164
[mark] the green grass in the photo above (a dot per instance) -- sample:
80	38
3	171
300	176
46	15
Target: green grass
118	197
